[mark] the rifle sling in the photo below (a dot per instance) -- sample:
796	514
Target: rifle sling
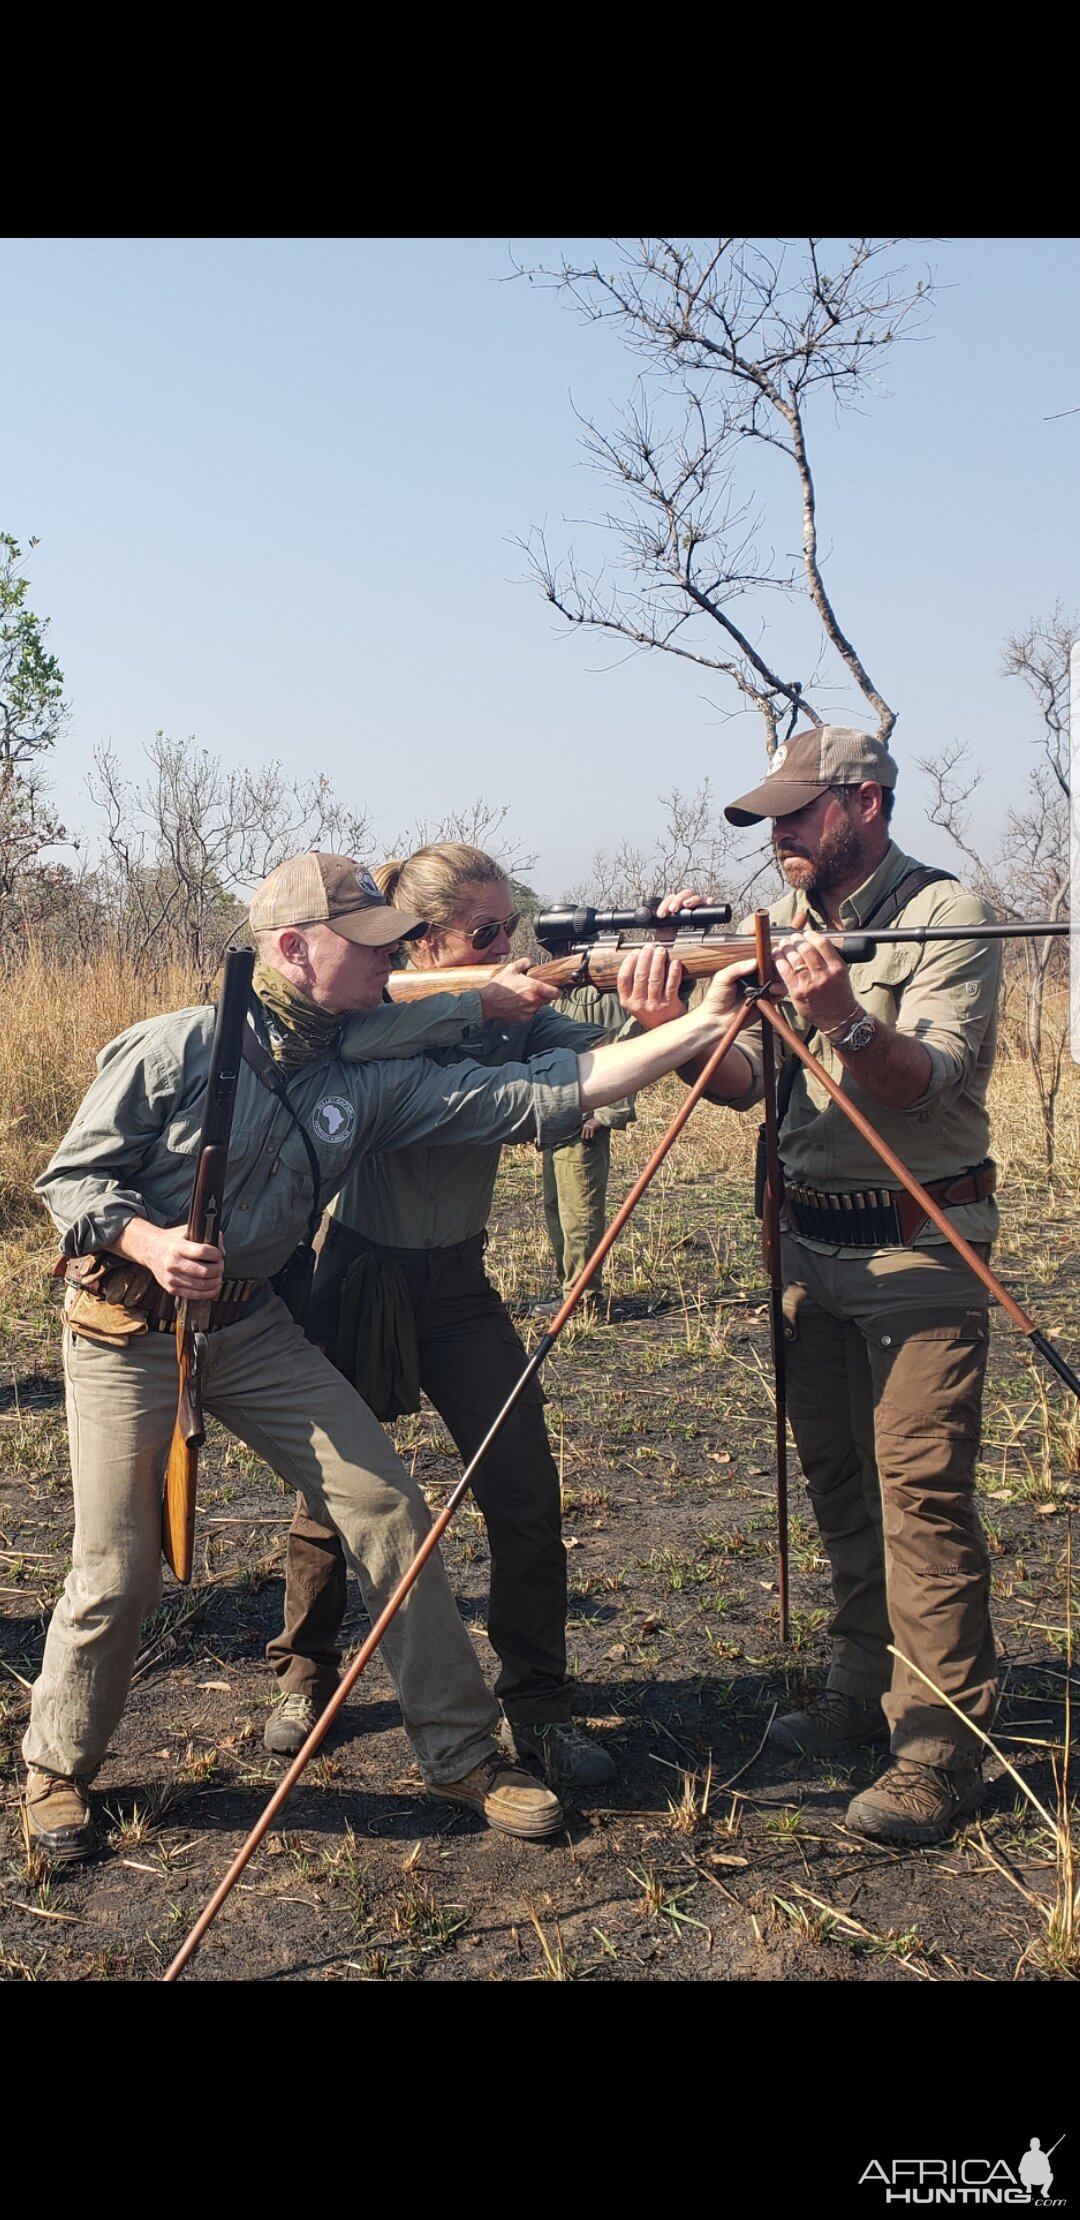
256	1053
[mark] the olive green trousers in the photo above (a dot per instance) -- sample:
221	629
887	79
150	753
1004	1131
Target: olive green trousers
575	1204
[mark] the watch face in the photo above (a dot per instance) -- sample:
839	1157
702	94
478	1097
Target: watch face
861	1033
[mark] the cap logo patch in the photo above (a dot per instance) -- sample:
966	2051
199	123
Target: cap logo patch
367	884
333	1119
778	761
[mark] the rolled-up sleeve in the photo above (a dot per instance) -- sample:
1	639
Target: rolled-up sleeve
948	1004
749	1045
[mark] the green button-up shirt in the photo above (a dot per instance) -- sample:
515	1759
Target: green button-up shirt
942	994
423	1197
131	1150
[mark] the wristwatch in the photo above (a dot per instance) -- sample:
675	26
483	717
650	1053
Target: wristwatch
859	1034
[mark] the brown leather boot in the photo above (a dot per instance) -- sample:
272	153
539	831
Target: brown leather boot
509	1799
830	1722
58	1822
917	1804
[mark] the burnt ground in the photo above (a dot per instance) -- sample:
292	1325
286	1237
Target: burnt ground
713	1858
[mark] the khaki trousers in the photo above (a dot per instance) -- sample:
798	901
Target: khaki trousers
886	1357
281	1396
575	1204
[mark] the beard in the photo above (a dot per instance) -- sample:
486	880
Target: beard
818	871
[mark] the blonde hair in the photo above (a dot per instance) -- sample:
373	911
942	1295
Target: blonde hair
432	882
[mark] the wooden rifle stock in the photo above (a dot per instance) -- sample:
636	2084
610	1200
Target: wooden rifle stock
204	1224
597	964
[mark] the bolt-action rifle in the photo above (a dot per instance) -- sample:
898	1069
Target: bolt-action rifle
204	1224
587	946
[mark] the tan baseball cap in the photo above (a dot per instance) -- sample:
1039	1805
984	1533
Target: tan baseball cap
317	889
807	765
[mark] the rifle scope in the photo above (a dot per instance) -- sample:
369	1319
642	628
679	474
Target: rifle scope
557	929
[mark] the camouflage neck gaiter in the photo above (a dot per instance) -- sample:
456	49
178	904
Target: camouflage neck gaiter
299	1031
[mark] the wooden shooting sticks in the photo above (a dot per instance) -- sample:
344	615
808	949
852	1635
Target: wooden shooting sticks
757	999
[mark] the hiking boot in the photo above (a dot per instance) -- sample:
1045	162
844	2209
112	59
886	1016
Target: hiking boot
829	1721
506	1797
917	1803
57	1814
291	1722
566	1757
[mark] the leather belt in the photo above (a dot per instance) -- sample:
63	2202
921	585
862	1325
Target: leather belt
880	1217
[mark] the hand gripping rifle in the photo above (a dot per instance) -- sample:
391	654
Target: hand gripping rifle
204	1224
587	946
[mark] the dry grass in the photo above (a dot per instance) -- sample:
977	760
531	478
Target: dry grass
53	1021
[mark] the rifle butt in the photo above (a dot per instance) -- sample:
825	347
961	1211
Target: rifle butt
178	1501
178	1507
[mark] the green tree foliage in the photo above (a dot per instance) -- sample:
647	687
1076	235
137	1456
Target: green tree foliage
32	714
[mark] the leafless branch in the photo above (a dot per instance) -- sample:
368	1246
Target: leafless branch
735	337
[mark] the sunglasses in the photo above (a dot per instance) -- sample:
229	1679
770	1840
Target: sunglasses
485	934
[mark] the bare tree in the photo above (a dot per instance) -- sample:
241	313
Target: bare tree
1028	874
694	847
181	847
480	825
737	337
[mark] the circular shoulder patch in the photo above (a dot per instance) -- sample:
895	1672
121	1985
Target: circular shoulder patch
333	1119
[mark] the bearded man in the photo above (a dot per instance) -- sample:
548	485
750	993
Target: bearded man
886	1329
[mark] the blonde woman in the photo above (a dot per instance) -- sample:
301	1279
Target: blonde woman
402	1301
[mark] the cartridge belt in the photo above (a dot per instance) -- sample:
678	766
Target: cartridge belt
102	1287
234	1302
880	1217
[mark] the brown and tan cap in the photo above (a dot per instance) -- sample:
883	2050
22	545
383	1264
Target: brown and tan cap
317	889
807	765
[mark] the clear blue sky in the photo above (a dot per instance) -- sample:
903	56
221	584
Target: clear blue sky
276	484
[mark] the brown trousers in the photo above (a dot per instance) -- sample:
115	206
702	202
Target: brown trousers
470	1358
886	1357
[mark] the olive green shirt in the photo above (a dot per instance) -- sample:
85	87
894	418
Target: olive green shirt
425	1197
942	994
132	1148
